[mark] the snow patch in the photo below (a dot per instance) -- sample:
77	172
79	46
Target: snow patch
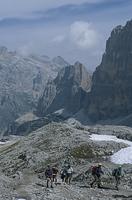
2	143
21	199
59	112
97	137
124	156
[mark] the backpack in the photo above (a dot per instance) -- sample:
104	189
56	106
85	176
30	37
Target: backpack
116	172
64	172
94	170
48	173
55	170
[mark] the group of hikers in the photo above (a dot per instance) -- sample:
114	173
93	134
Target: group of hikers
97	172
52	172
67	172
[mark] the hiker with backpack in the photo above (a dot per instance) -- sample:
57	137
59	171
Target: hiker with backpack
69	174
117	173
55	172
64	174
96	173
49	176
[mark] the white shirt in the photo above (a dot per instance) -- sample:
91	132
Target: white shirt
70	170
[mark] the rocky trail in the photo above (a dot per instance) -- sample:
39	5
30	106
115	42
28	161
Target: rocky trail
24	159
75	192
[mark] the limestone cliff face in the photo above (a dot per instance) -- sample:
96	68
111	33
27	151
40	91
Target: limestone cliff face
111	93
67	91
22	80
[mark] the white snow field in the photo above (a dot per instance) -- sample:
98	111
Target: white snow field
21	199
124	156
2	143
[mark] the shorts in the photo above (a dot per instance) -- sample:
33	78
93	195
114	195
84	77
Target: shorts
63	176
69	175
54	176
49	177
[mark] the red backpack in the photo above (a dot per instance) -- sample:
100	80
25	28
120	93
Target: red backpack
94	170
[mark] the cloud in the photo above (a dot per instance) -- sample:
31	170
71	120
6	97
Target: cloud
83	35
59	38
25	49
79	34
53	12
60	27
12	8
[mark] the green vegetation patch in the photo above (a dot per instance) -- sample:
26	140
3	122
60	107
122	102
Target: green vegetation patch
83	151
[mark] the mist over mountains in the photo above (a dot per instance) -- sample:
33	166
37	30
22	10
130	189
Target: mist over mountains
44	86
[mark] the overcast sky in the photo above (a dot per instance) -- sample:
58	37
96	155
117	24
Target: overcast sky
73	29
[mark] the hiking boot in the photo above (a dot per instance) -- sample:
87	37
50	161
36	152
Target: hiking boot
117	188
91	185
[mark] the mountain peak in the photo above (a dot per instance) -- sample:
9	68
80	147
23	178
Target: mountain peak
22	79
66	91
77	63
76	73
129	23
59	61
3	50
117	30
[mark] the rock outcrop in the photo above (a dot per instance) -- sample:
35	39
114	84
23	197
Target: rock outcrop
22	80
29	122
66	92
111	93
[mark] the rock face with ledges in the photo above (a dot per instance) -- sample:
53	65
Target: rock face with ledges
67	91
111	93
22	80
